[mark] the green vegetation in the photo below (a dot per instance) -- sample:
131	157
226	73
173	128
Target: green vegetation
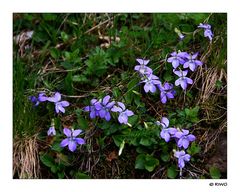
86	56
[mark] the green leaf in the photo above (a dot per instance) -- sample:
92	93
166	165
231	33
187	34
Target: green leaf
140	161
80	78
74	54
64	36
131	86
151	163
67	55
133	83
57	123
192	114
219	84
80	175
145	141
165	157
54	169
82	123
136	92
172	172
63	159
49	16
141	149
68	83
97	63
167	76
133	119
118	139
56	147
116	92
147	162
214	173
55	53
194	149
60	175
47	160
66	64
138	101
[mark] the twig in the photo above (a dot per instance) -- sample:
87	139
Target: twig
101	23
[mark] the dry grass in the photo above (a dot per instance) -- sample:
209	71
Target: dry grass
212	99
25	158
210	138
208	84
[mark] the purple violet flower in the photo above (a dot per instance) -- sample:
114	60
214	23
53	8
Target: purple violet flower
164	122
55	98
177	59
182	157
167	91
51	131
192	62
72	140
204	26
123	112
150	83
143	69
207	30
184	138
59	105
42	97
34	100
93	108
182	80
167	133
105	108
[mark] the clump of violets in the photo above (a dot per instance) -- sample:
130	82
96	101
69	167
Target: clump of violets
102	108
183	81
123	112
177	58
105	108
56	99
72	140
181	137
166	91
181	61
93	108
207	30
152	82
